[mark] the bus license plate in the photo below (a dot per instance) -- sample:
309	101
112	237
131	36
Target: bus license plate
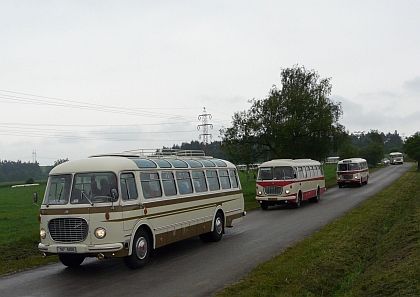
67	249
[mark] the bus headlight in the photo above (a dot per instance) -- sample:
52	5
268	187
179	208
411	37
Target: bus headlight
100	233
42	233
259	193
287	192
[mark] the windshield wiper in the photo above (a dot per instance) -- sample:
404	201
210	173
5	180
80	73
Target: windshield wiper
87	198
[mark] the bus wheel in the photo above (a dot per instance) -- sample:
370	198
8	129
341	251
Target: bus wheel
317	197
217	232
140	250
71	260
298	202
264	205
367	179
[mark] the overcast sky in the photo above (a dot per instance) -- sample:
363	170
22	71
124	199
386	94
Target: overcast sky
86	77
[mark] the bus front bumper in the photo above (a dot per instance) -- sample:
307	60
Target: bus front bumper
79	248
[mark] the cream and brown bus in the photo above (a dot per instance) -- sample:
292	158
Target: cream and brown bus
396	158
287	181
126	205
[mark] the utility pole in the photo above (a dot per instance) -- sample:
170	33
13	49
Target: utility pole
33	156
205	125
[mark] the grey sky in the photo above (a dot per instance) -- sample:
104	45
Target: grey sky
85	77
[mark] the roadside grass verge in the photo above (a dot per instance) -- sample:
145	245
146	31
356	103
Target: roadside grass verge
372	251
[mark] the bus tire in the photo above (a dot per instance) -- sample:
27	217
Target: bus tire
217	233
317	197
264	205
71	260
299	201
140	250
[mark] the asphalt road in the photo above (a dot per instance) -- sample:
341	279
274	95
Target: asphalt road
193	268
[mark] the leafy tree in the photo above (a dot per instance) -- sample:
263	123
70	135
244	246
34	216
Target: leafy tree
347	150
374	152
394	150
412	148
60	161
295	121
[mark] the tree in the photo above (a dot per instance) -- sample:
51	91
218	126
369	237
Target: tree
60	161
347	150
394	150
296	121
374	151
412	148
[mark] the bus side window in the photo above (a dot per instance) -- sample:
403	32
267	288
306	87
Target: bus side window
212	180
168	182
224	179
150	185
184	182
128	186
199	181
233	178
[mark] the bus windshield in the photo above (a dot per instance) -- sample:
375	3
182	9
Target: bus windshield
276	173
348	167
86	188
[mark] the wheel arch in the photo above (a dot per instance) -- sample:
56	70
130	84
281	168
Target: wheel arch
144	225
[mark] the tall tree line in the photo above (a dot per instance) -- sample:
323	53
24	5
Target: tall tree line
20	171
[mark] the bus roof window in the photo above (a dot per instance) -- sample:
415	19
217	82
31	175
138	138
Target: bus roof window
144	163
194	163
220	163
178	163
207	163
162	163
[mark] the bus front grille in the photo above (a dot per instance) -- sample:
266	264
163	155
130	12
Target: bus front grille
68	229
273	190
347	176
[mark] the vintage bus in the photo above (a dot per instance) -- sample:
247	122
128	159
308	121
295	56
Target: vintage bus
127	205
283	181
354	171
396	158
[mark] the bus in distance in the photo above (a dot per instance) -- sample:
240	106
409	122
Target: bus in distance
354	171
289	181
396	158
126	205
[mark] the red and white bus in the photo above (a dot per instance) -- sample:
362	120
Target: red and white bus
354	171
283	181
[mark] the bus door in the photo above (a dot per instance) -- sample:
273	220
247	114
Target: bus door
132	207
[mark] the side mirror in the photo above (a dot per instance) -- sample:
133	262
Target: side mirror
35	197
114	194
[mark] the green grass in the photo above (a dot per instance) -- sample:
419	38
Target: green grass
19	237
372	251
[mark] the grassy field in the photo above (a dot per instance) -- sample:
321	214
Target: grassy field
19	225
372	251
18	221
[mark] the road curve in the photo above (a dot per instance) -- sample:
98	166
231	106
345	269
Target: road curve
193	268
